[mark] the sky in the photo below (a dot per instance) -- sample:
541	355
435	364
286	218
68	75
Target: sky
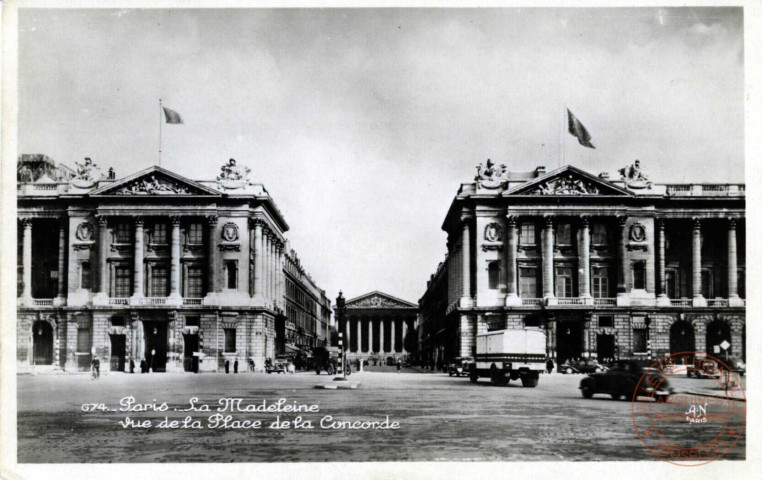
363	123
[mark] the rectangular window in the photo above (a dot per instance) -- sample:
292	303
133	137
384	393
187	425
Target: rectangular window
600	282
605	322
563	234
229	340
600	234
195	234
231	273
191	321
707	286
159	281
564	279
639	341
671	279
83	340
194	282
528	282
639	275
84	275
742	283
159	235
123	233
527	234
122	282
494	275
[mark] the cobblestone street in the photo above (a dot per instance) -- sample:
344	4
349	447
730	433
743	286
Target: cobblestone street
440	418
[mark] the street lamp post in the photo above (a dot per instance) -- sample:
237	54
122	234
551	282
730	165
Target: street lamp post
340	308
648	336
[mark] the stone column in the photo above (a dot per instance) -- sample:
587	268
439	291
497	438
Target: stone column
512	298
268	268
26	246
212	260
62	259
258	263
621	275
393	334
404	335
103	249
174	284
661	276
281	276
466	300
584	263
698	298
347	327
732	259
359	334
381	322
138	280
370	334
548	288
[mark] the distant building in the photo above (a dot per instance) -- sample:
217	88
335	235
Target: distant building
611	268
186	275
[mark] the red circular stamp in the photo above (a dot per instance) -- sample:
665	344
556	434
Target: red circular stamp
689	408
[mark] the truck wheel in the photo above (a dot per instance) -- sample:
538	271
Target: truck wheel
474	377
450	373
317	371
530	381
587	392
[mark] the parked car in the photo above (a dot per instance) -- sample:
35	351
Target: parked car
460	366
738	366
590	365
277	366
569	366
703	367
623	378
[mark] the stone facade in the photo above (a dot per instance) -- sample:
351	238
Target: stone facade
610	268
184	275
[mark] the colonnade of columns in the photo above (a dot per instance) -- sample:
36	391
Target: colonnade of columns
547	250
269	282
365	328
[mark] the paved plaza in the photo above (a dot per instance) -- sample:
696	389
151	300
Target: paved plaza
439	417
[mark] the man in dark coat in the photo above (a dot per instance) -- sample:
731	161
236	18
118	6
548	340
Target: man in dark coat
235	366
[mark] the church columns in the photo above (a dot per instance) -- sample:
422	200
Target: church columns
404	334
392	332
381	322
359	334
370	334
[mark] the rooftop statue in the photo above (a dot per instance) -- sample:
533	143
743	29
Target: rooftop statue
232	175
490	176
634	177
87	174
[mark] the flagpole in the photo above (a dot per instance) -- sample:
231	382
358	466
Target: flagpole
160	132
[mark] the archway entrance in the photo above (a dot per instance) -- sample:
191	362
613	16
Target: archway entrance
716	333
156	345
118	352
681	337
606	346
569	341
42	339
191	347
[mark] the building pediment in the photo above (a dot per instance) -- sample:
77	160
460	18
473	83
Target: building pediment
568	181
378	300
155	181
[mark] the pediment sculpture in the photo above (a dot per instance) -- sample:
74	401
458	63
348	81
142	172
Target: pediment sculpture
565	185
376	301
233	176
151	185
491	176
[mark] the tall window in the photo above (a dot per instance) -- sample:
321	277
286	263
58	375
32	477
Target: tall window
84	275
563	234
564	277
527	234
122	281
742	283
192	321
606	321
231	273
229	340
600	234
159	283
670	276
123	233
528	282
195	234
639	275
194	282
494	275
159	236
600	282
707	286
83	340
639	340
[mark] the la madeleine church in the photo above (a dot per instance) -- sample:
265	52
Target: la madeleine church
611	268
185	275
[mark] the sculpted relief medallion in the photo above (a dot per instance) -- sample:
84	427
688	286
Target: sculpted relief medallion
492	233
84	231
230	232
638	233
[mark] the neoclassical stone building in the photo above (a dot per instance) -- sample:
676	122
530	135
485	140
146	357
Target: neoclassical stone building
379	326
611	267
186	275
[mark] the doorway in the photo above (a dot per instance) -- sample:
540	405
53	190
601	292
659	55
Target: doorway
606	347
569	341
681	337
155	334
191	347
118	352
42	343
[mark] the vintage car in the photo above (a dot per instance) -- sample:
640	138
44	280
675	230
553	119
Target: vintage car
624	378
590	365
460	366
277	366
738	366
703	367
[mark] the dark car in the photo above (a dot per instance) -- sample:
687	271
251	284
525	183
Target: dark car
703	367
461	366
589	365
737	366
623	378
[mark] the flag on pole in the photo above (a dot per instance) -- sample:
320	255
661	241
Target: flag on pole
578	130
172	116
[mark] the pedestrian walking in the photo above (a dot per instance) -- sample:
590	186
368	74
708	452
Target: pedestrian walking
143	366
235	366
227	366
399	365
132	366
550	365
